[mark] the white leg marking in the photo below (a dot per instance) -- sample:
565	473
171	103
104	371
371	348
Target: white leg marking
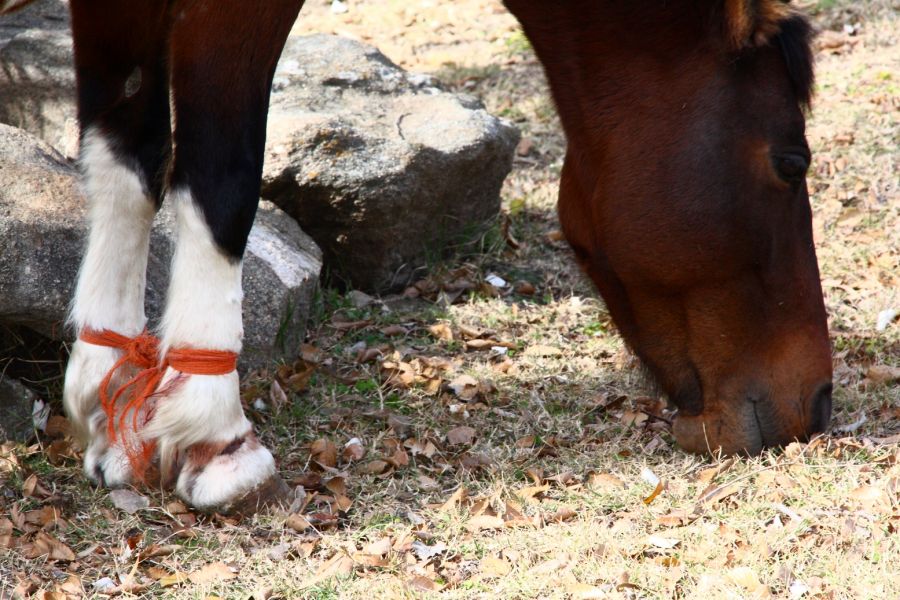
203	311
110	289
113	275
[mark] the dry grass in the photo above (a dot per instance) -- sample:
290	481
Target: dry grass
563	442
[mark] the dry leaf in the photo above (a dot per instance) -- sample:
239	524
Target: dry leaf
324	452
541	350
338	565
375	467
425	552
665	543
454	500
128	501
484	522
604	481
72	585
480	344
872	498
632	418
524	288
441	331
493	566
310	353
677	518
746	578
465	387
707	475
353	450
277	396
463	435
550	566
883	374
394	330
529	492
217	571
46	545
583	591
424	584
58	426
298	523
29	486
714	494
562	514
379	547
175	578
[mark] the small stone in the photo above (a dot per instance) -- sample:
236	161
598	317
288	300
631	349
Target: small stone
359	299
885	318
496	281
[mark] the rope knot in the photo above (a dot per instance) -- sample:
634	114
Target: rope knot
142	351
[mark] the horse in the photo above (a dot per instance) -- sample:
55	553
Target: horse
683	196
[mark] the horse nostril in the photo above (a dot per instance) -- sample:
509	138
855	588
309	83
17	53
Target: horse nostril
820	409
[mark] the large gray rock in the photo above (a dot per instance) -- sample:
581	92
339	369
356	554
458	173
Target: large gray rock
42	235
37	81
16	405
380	167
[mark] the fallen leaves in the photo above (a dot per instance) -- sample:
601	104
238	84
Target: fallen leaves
872	498
482	522
128	501
494	566
746	578
882	374
47	546
461	436
213	572
604	482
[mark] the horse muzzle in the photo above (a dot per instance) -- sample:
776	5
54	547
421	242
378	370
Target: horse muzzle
754	424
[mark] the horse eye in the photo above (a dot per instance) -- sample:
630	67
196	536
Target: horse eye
791	166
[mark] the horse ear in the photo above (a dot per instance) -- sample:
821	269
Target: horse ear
751	23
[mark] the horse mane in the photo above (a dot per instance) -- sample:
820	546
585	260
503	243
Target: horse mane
752	24
795	41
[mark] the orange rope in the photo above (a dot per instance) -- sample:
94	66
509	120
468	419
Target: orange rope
143	352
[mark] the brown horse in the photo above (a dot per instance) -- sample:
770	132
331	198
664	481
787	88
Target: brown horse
683	196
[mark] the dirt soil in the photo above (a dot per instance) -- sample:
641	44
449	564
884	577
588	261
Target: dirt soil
481	440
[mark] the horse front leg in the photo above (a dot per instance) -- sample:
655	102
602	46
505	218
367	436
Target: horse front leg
223	56
123	112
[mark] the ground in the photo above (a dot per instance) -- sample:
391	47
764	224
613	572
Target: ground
497	442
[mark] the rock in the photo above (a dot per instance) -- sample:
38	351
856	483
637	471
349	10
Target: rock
42	234
16	404
379	166
37	80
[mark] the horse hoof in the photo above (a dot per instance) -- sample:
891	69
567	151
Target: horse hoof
220	478
272	494
106	465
